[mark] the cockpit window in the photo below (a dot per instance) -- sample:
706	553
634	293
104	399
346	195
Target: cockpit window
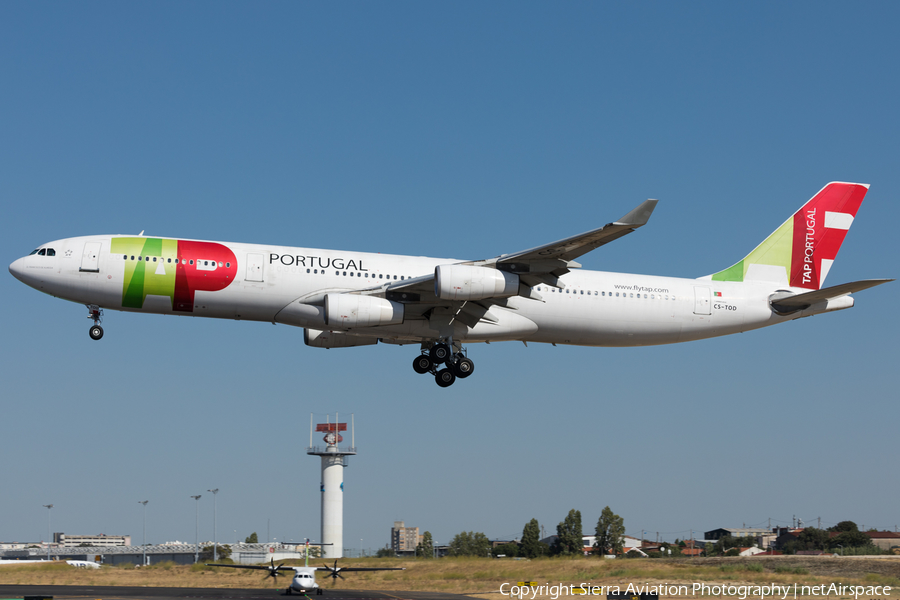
43	252
33	252
51	252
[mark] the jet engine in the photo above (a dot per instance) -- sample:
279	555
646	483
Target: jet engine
334	339
344	311
464	282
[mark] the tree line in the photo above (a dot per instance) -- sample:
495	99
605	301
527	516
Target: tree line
610	537
844	537
609	532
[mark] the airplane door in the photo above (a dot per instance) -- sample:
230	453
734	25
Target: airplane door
254	267
90	258
702	300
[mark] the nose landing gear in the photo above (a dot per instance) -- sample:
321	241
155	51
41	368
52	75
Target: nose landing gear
458	365
96	313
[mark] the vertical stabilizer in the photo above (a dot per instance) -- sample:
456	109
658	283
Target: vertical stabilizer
801	251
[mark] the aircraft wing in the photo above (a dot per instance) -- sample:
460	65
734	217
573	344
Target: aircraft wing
416	289
545	264
571	248
335	571
259	567
342	569
535	266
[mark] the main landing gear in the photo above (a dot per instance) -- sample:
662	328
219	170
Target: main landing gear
96	313
442	353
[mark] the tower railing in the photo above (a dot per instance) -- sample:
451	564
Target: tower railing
325	450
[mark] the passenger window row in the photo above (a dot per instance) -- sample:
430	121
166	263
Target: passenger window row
351	274
605	293
184	261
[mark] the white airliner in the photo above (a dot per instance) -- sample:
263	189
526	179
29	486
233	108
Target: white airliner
81	564
304	579
344	298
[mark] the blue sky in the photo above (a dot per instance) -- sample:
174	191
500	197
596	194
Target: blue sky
465	130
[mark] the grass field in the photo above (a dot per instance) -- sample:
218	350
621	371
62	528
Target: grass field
483	577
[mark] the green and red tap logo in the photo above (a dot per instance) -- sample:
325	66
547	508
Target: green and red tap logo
806	245
173	268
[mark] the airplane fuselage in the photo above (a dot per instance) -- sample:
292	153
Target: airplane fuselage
541	294
304	581
286	285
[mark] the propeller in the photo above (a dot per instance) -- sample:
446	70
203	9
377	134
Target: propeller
273	571
335	572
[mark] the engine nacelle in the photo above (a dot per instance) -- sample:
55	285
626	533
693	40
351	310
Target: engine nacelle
344	311
464	282
334	339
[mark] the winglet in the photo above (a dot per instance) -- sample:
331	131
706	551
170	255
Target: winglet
640	215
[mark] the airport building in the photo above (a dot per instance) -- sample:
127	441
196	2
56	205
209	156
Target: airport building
884	539
181	554
404	539
18	545
765	538
735	532
101	539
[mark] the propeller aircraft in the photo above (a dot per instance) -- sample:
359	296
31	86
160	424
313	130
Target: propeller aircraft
304	580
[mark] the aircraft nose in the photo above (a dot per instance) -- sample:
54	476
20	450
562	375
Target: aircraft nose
17	268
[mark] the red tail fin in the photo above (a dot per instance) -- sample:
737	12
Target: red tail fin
819	230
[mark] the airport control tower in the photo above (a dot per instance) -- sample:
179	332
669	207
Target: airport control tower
334	459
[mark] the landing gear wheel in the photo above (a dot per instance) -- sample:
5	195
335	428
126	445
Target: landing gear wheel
318	591
422	364
445	377
96	332
463	367
439	353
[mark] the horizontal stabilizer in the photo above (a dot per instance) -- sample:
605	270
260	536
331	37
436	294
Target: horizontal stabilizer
796	302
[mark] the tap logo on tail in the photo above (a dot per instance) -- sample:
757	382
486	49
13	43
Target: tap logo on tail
800	252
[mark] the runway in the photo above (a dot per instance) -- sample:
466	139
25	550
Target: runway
99	592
